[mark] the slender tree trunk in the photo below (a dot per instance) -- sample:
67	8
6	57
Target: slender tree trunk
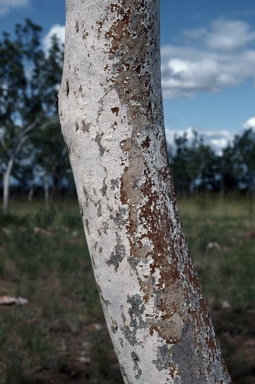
6	185
112	121
46	189
222	189
31	189
22	138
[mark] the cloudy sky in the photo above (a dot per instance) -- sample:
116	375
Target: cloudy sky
208	60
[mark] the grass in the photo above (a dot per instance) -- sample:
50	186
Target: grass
227	271
60	336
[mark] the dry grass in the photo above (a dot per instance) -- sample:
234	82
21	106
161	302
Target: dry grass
61	337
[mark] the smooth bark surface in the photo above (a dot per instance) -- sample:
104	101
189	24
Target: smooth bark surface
110	105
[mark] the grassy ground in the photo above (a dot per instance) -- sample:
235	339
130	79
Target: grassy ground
60	335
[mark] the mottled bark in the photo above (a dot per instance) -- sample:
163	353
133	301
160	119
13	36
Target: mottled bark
111	113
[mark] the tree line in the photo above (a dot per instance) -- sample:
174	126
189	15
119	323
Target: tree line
32	150
197	167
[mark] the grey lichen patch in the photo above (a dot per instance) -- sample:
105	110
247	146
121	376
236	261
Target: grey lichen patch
115	183
118	254
137	369
137	322
98	140
120	217
163	358
133	262
186	357
136	311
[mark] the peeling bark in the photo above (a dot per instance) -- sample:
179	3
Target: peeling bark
110	105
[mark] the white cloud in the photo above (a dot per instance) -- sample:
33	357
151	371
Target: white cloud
211	59
7	5
229	35
250	123
217	140
59	31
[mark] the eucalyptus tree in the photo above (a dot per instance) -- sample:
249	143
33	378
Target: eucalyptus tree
110	106
228	166
28	81
244	150
50	156
193	163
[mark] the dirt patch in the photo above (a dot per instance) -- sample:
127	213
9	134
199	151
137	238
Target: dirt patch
236	334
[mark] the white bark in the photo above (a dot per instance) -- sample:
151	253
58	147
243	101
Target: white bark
111	115
20	140
6	185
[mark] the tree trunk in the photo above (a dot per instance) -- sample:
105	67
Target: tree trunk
31	189
110	105
6	185
21	139
46	189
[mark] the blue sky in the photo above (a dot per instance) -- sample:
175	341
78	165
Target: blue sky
208	60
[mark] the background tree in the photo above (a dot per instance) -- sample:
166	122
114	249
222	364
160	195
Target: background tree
112	121
244	150
228	170
28	88
50	155
193	164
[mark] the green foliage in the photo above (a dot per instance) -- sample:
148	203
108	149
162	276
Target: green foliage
192	163
196	167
